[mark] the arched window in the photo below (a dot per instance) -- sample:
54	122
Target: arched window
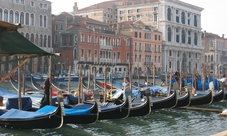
17	17
169	34
182	17
6	15
27	36
74	54
0	14
11	17
41	20
183	36
37	39
27	19
45	41
206	58
41	41
32	38
45	21
169	14
22	18
32	20
195	38
49	41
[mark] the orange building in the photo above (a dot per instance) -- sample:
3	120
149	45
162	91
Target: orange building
146	48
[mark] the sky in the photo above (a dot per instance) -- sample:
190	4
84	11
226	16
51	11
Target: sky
214	17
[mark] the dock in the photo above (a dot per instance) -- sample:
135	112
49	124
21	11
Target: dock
202	109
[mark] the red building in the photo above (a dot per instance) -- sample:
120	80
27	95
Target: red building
85	41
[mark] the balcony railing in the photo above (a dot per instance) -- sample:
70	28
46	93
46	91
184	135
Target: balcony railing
106	47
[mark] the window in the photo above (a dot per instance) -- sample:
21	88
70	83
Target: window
135	34
169	14
6	15
40	20
32	4
45	21
16	17
11	16
121	18
189	37
195	20
138	10
195	38
75	39
129	18
129	11
155	17
155	8
183	36
169	34
22	2
82	38
27	19
182	17
41	5
32	20
121	12
137	17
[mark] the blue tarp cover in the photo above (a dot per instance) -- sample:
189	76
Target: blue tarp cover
20	114
79	109
13	103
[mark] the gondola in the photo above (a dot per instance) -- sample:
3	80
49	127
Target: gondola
111	111
28	89
219	95
184	100
46	117
100	84
141	107
35	84
201	99
164	102
82	113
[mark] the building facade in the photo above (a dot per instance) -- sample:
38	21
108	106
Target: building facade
146	48
215	53
35	17
179	22
85	41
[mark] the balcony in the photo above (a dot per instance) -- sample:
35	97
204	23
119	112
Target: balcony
106	47
148	63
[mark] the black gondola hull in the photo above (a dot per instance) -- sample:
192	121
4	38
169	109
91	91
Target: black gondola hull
219	96
141	109
184	100
53	120
84	119
116	113
203	99
165	102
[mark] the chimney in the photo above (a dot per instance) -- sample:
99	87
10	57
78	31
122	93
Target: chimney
223	35
75	8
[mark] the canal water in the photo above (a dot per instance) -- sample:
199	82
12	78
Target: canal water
163	122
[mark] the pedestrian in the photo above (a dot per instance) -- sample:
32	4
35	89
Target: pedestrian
46	98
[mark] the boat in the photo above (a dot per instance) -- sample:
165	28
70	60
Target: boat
108	110
28	89
46	117
201	99
164	102
184	100
82	113
141	107
158	102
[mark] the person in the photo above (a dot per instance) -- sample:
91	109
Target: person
46	98
125	84
177	75
223	80
1	101
142	92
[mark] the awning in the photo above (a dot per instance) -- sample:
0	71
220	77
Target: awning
13	43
